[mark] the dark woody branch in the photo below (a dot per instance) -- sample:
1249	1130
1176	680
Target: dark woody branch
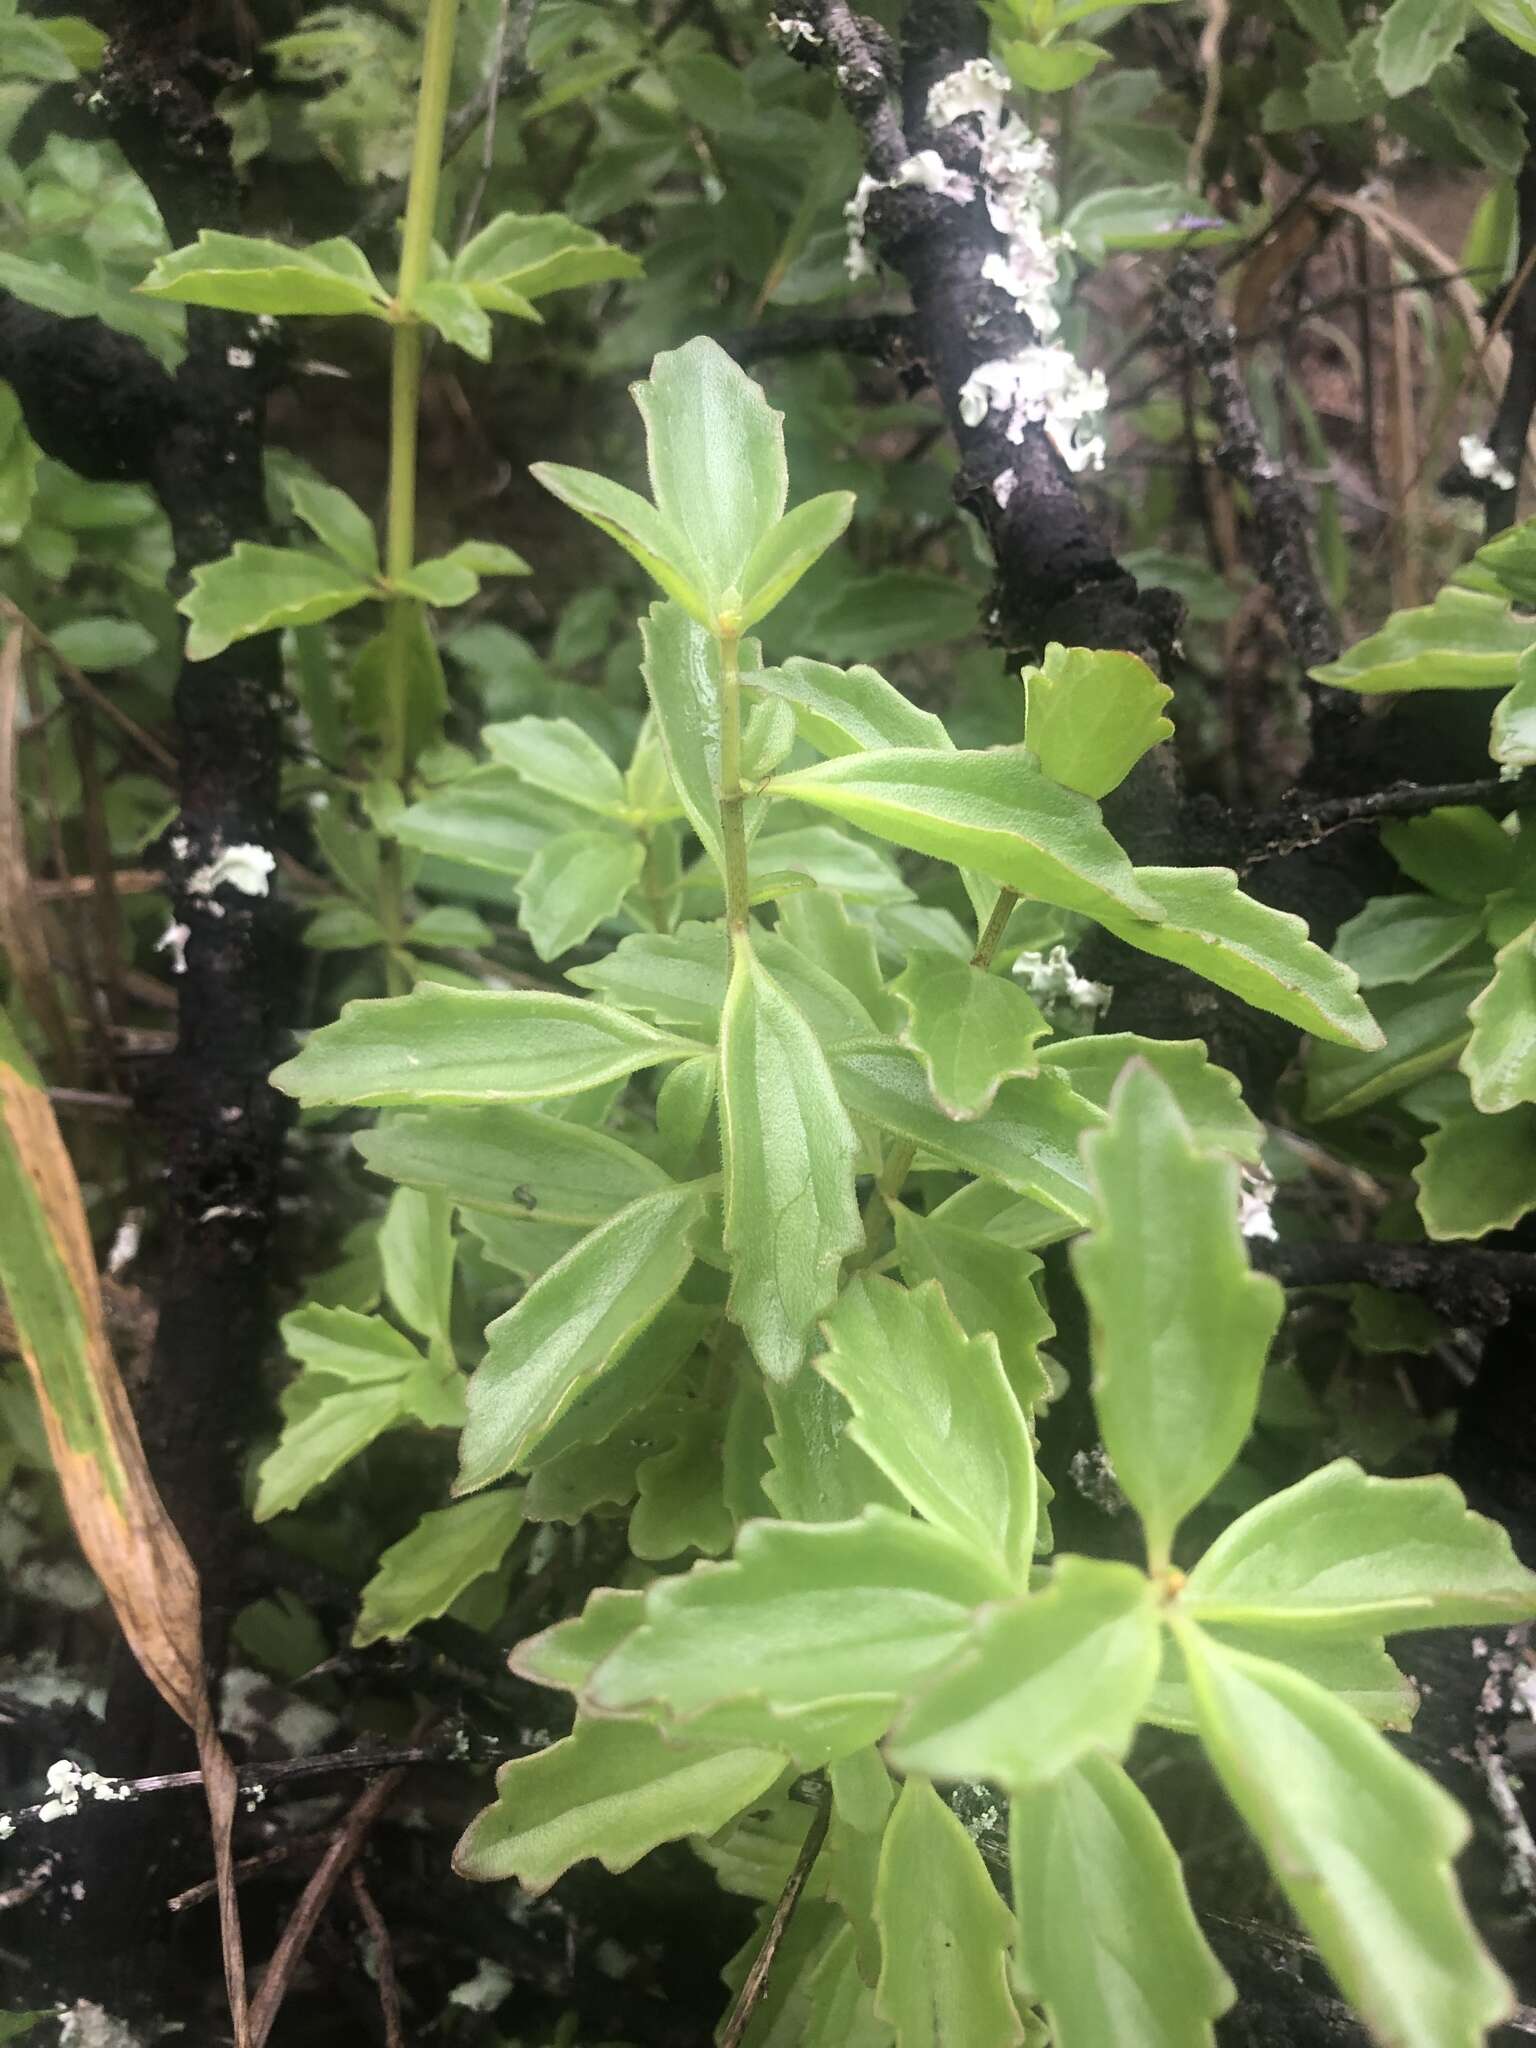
1468	1284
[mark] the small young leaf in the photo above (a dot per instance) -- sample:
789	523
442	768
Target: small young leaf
449	925
454	578
555	754
803	1616
340	1344
1343	1550
416	1247
1500	1056
95	644
848	710
336	522
450	1045
1356	1670
1416	38
1029	1138
944	1932
1090	715
1181	1327
971	1029
1260	954
571	1325
1460	853
521	256
421	1576
488	819
1107	1940
642	531
613	1790
258	589
679	980
243	274
322	1440
514	1162
994	812
1478	1173
789	550
716	453
1512	736
573	883
457	314
790	1211
682	674
1465	640
1360	1842
934	1410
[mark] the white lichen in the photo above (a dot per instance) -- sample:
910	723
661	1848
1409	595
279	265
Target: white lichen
1051	978
1093	1474
792	30
173	940
125	1244
489	1987
245	868
1254	1211
978	87
240	358
7	1827
1480	463
87	2025
1040	386
66	1782
1004	484
927	171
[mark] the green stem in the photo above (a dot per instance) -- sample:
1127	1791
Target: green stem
404	409
733	828
997	924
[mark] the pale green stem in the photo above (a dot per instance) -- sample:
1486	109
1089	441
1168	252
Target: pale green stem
404	407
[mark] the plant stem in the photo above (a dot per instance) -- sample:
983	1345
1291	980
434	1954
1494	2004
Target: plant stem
997	924
733	830
404	410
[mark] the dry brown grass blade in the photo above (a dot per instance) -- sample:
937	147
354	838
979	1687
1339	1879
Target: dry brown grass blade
48	1272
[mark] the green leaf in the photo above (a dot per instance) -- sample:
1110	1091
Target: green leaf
642	531
416	1247
1107	1941
1210	1099
514	1162
680	1504
450	1045
457	314
818	1474
790	1210
787	551
1465	640
573	883
399	672
449	925
103	643
1029	1138
988	1286
488	819
848	710
336	522
572	1324
1515	19
1511	558
258	589
971	1029
1460	853
1150	216
1052	67
682	674
244	274
1343	1550
818	926
833	859
716	453
1090	715
944	1933
1356	1670
1360	1842
565	1656
323	1439
421	1576
1044	1682
340	1344
1500	1056
1416	38
993	811
1403	938
57	290
1512	737
934	1410
1478	1173
1425	1026
1260	954
517	257
454	578
612	1790
679	981
554	754
1181	1326
804	1616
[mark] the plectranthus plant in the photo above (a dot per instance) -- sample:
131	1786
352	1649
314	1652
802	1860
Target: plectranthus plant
773	1170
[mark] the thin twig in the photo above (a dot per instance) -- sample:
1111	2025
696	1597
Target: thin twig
1210	57
757	1977
162	756
383	1959
1303	823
